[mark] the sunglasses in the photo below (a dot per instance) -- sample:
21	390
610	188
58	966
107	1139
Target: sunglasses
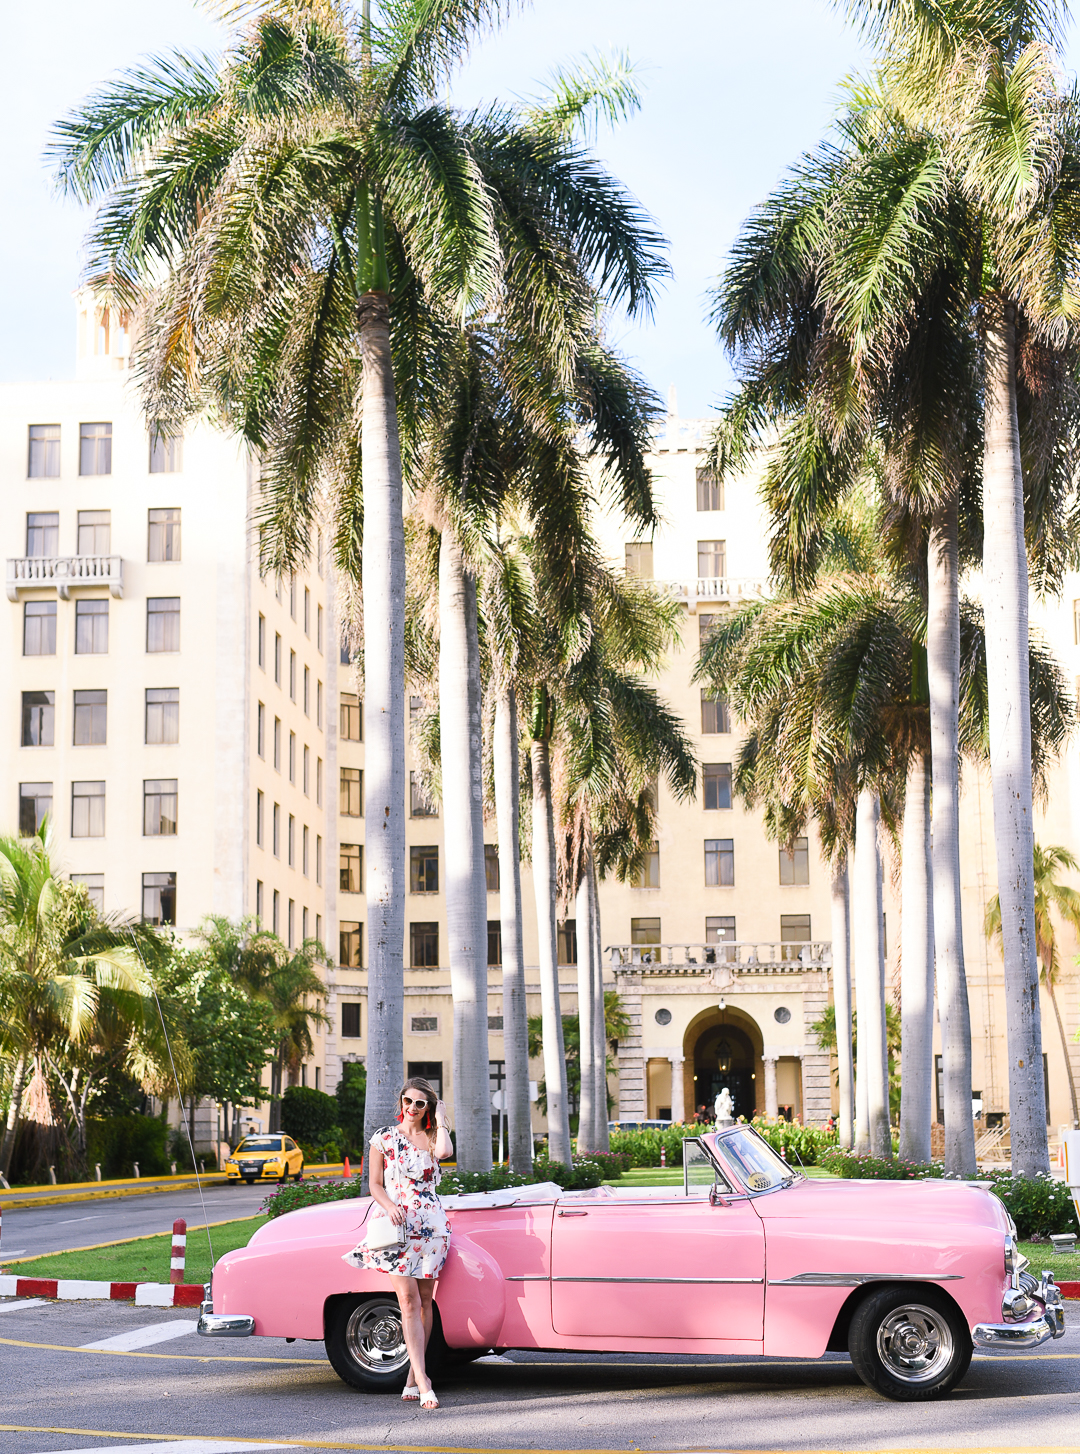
408	1101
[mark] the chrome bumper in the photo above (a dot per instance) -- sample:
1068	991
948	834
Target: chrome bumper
222	1325
1010	1337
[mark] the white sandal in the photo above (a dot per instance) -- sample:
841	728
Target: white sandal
410	1394
429	1400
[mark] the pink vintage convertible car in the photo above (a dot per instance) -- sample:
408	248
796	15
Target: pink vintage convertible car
748	1257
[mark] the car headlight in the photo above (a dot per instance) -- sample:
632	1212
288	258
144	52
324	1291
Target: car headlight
231	1161
1015	1261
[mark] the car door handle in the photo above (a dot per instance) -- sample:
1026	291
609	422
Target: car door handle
573	1214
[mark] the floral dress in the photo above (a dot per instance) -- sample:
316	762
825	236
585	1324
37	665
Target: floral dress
410	1178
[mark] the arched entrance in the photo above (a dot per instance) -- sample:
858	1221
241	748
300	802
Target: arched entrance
724	1047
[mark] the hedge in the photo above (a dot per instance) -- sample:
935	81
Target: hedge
119	1141
796	1143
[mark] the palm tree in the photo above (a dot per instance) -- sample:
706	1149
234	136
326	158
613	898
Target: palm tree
324	228
1050	896
62	969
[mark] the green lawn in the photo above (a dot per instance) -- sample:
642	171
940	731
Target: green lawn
1041	1254
145	1259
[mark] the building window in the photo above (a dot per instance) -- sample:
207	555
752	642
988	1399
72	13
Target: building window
710	490
259	804
795	866
292	676
163	623
42	533
648	876
711	559
163	538
277	657
307	612
720	929
645	934
1076	622
39	628
423	1024
318	858
95	449
495	1022
424	946
292	758
290	923
318	625
159	898
794	934
494	937
277	744
304	924
291	842
304	856
35	804
416	706
166	455
94	884
277	830
276	911
491	867
260	730
318	928
94	532
429	1070
163	716
716	785
44	452
318	781
352	727
262	641
292	597
88	810
707	624
420	805
351	804
91	628
350	944
715	717
159	807
350	1020
307	692
318	705
567	941
639	559
307	770
344	657
38	718
351	859
424	870
258	901
720	862
91	718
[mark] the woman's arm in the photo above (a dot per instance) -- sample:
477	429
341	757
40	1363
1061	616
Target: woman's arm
378	1188
444	1147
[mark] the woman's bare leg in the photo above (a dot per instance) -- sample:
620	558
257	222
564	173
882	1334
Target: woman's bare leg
426	1288
412	1323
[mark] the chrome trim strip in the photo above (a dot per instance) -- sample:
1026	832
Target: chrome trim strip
225	1325
856	1279
659	1279
1010	1337
526	1277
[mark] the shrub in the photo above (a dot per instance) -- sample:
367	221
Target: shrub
351	1094
846	1164
611	1163
308	1114
329	1148
643	1147
294	1195
805	1144
1038	1205
118	1142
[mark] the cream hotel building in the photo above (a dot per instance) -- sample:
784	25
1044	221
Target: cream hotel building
194	733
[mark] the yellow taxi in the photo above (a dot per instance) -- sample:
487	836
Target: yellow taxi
265	1158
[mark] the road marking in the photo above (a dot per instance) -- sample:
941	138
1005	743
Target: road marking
18	1252
31	1302
175	1357
70	1221
144	1337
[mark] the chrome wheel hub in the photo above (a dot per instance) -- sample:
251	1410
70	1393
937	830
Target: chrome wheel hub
915	1344
374	1336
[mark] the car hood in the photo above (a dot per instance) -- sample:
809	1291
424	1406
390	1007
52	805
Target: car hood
865	1202
328	1220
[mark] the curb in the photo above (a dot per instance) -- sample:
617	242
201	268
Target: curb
143	1294
23	1198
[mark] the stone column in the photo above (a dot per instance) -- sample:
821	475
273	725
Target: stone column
633	1092
816	1064
678	1105
769	1062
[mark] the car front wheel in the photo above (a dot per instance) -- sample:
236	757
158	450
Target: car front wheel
909	1345
365	1344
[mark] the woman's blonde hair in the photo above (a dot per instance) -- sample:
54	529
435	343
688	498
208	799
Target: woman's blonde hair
417	1083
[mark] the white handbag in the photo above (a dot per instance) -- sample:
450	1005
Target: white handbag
382	1233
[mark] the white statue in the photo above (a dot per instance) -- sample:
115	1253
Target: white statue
724	1109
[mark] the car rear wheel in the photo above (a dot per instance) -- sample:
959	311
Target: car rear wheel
365	1344
909	1345
300	1174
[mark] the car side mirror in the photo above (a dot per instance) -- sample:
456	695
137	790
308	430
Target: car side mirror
716	1197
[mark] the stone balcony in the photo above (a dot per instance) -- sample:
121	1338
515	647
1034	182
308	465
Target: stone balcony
703	591
33	572
735	956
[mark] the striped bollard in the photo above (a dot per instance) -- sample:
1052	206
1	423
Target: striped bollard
179	1250
663	1155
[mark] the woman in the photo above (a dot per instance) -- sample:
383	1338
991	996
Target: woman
404	1174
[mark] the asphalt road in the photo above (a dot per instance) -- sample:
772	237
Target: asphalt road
269	1391
33	1231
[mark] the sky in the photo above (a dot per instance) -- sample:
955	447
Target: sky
733	93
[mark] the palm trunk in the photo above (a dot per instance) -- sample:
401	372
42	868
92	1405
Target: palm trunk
943	673
11	1125
515	1011
383	564
870	975
586	950
1005	607
916	966
841	965
1065	1052
600	1101
461	753
545	889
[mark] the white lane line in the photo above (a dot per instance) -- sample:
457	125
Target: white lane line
71	1220
12	1252
30	1302
180	1446
144	1337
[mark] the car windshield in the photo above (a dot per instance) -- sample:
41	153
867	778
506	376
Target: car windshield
260	1143
756	1163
